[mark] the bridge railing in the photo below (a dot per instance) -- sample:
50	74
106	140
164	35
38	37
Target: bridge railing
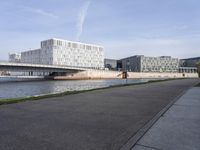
46	66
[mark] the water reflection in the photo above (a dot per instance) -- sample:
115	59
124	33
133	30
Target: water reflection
30	88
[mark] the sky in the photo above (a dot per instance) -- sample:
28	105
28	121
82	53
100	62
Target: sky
124	28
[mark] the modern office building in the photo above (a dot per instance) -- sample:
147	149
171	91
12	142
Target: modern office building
190	62
141	63
66	53
15	57
31	56
110	64
188	70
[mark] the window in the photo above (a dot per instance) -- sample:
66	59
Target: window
74	45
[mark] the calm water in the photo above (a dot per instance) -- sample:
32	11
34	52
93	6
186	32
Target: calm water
30	88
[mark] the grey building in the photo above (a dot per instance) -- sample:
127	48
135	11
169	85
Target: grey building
141	63
132	63
111	64
189	62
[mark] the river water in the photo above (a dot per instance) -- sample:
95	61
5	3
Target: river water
31	88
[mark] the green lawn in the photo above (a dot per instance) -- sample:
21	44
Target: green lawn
198	85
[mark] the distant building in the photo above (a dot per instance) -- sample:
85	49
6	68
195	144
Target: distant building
140	63
111	64
31	56
66	53
188	70
190	62
15	57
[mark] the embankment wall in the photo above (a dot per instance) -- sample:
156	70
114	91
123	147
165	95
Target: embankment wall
104	74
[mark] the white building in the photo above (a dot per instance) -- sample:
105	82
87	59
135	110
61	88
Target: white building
15	57
66	53
31	56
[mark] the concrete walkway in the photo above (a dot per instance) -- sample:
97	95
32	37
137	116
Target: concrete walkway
96	120
178	128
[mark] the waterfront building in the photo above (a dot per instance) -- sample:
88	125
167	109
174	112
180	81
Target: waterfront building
110	64
31	56
188	70
190	62
66	53
141	63
15	57
4	73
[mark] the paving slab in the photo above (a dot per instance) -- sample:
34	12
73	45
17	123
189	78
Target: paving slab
141	147
183	112
179	127
101	119
191	98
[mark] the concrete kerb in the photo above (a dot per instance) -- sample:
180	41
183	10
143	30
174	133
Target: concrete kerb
141	132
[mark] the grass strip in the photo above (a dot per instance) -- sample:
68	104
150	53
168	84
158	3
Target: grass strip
198	85
38	97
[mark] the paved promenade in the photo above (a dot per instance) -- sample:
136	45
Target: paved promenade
97	120
178	128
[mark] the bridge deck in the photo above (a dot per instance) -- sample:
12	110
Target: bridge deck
38	67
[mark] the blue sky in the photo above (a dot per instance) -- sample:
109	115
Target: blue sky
124	28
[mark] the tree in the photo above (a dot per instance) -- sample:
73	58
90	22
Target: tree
198	67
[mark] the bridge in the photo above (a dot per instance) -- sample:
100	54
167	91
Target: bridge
38	69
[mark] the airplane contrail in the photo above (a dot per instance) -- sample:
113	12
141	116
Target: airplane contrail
81	19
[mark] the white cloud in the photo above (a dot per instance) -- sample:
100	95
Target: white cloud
81	19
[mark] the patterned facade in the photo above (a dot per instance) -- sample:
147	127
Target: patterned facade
15	57
140	63
66	53
31	56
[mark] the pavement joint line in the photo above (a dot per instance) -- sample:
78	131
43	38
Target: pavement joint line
181	105
141	132
148	147
185	105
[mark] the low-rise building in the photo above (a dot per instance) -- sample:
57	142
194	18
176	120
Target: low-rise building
189	62
111	64
15	57
188	70
141	63
31	56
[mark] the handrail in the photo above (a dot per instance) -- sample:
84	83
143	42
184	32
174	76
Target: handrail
6	63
